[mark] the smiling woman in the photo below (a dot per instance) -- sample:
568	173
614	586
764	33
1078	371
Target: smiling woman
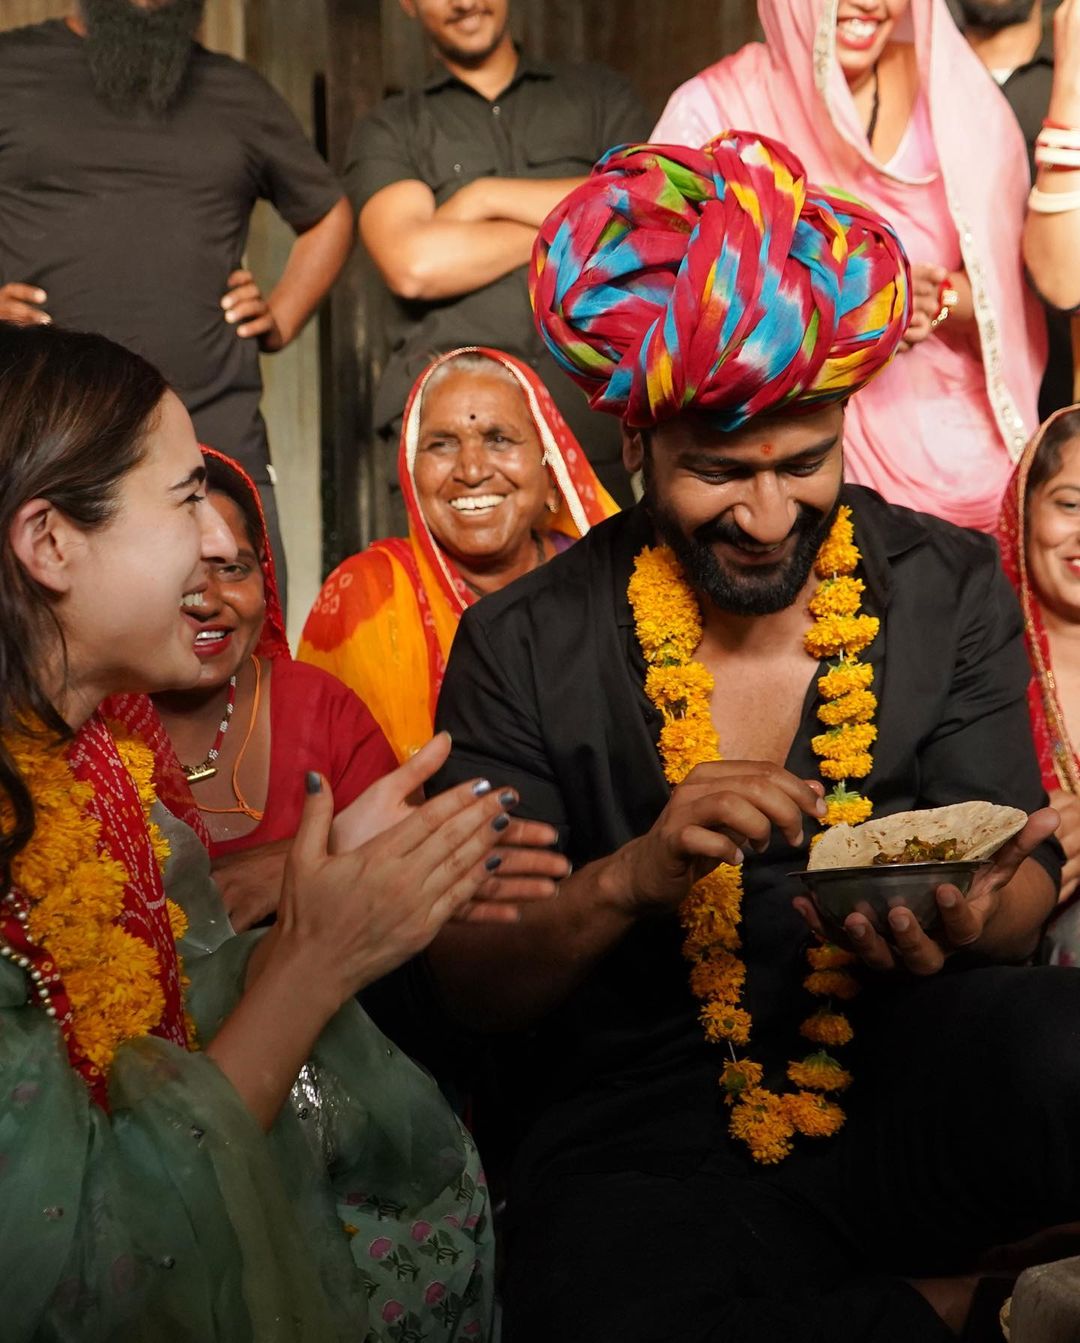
494	484
167	1152
877	98
257	721
1039	534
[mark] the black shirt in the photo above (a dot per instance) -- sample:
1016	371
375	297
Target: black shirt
1028	91
552	120
544	692
132	224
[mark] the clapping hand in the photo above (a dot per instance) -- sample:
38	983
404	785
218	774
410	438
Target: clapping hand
366	911
527	868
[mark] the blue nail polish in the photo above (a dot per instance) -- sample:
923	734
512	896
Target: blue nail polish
312	782
500	822
481	788
493	862
507	798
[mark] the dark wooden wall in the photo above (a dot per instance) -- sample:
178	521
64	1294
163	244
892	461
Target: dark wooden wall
374	48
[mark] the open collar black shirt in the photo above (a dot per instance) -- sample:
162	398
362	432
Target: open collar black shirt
544	692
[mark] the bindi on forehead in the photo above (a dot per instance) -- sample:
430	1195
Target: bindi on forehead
767	449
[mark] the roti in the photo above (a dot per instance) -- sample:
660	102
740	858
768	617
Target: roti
978	828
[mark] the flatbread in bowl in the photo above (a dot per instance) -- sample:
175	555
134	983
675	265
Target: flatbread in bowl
901	860
962	832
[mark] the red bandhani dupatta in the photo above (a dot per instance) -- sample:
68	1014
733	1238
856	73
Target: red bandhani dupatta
273	642
1057	759
86	915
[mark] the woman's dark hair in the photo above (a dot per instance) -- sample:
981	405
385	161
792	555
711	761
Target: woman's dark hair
221	478
74	413
1047	460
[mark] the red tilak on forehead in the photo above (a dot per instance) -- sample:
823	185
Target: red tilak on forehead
767	449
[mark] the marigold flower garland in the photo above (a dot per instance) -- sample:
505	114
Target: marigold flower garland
75	894
669	627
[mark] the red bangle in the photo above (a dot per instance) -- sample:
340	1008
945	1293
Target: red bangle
942	288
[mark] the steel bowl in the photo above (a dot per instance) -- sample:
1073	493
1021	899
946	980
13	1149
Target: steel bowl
873	891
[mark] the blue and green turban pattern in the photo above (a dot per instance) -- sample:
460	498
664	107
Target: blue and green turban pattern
716	280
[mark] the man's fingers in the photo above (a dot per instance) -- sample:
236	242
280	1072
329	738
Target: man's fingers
239	277
28	293
919	953
529	835
1040	826
728	775
487	913
806	907
696	841
256	328
247	307
961	920
22	314
752	811
868	944
530	862
510	888
242	294
309	848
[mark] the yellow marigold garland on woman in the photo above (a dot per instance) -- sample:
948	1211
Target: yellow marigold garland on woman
668	623
74	895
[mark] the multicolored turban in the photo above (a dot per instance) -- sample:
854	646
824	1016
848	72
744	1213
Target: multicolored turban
716	279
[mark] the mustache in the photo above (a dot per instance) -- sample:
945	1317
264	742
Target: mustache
728	532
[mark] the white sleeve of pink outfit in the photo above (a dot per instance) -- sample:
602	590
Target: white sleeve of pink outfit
689	117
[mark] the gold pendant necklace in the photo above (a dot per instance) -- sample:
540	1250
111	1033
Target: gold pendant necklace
206	769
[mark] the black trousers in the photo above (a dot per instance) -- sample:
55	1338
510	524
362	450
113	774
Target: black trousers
963	1134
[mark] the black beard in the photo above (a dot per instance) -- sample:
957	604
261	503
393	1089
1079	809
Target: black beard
761	591
993	15
139	58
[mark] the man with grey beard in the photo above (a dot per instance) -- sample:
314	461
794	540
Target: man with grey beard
1009	39
130	161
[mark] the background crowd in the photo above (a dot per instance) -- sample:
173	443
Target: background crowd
131	160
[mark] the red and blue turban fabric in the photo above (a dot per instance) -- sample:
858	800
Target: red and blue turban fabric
716	280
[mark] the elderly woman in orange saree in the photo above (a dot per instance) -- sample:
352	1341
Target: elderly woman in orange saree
1039	535
494	484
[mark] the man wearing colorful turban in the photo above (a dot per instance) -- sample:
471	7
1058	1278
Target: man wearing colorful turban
716	279
714	1119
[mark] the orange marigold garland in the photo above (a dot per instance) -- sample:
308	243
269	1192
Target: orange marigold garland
76	894
668	623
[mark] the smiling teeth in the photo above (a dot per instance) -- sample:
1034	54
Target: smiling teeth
209	636
859	28
473	502
190	599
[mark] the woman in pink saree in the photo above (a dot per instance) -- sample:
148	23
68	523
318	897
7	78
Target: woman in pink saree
884	99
